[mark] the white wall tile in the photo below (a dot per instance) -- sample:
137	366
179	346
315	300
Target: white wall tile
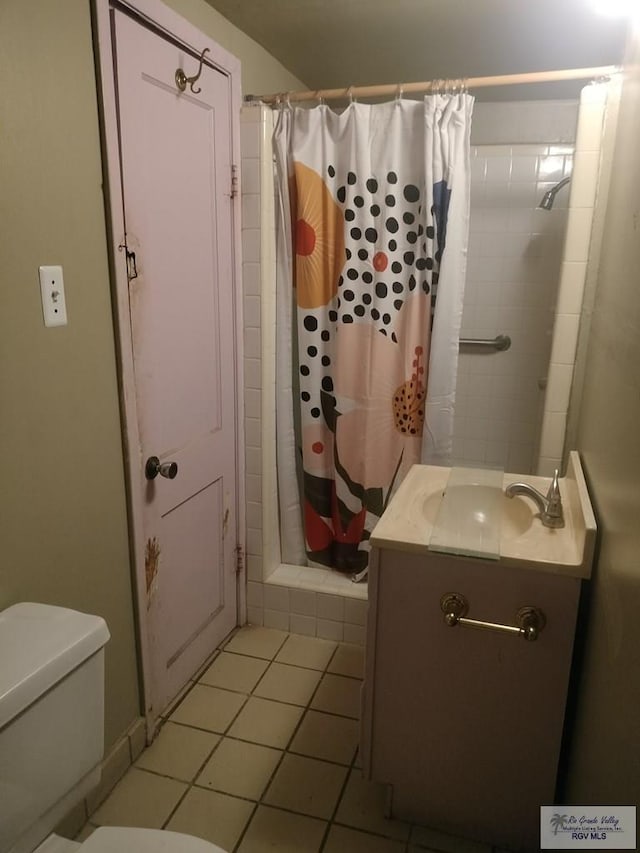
276	619
302	602
252	403
585	179
254	513
253	462
252	373
299	624
589	133
329	630
251	278
252	432
252	312
331	607
252	349
250	177
254	567
552	436
559	387
356	611
255	596
249	140
571	287
276	597
255	615
578	234
565	338
251	245
251	210
254	488
254	541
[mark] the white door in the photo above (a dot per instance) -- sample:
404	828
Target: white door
175	153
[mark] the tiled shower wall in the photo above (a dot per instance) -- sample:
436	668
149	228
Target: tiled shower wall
314	602
512	278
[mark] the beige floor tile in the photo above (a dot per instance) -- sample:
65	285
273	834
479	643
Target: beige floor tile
306	651
338	695
362	807
275	831
266	722
239	768
234	672
325	736
343	840
257	642
423	837
208	708
307	786
212	816
140	799
348	660
288	684
178	751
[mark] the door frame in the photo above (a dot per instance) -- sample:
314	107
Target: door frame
158	17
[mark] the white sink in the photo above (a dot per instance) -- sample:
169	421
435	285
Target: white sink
517	515
409	520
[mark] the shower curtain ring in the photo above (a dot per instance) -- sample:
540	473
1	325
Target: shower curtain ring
350	94
399	92
287	99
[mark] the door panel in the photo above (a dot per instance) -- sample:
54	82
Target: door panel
176	166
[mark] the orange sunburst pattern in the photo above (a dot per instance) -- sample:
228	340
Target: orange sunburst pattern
318	229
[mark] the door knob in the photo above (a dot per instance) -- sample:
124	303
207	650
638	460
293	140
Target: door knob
153	467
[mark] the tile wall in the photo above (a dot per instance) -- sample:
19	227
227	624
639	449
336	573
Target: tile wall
573	272
315	602
512	279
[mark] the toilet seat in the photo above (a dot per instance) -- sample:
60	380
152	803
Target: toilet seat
118	839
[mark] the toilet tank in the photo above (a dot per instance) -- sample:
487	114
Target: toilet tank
51	717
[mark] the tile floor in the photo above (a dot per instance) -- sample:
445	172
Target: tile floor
261	755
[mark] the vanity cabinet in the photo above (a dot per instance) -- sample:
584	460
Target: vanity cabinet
465	724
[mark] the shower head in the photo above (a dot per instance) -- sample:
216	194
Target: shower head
549	197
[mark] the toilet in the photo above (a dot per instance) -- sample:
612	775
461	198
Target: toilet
52	732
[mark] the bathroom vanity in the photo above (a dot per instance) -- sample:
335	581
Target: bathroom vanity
463	720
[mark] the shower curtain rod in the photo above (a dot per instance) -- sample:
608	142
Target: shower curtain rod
432	86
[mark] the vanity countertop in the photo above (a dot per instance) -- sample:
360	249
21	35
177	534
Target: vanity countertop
408	522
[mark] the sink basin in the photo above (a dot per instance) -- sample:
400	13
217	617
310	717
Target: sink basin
517	515
409	520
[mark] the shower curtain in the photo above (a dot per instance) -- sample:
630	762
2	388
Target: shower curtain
372	212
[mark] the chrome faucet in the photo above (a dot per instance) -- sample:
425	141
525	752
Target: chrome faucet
551	513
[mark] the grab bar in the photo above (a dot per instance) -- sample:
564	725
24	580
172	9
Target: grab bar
529	620
499	343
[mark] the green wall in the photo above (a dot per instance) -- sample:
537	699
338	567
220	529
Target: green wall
605	768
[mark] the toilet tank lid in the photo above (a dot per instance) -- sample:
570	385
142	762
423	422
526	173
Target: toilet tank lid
39	645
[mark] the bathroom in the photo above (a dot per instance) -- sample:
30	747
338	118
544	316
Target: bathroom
64	509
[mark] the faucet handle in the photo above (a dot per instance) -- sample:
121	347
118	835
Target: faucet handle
554	489
554	512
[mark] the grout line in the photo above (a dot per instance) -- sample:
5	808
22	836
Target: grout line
350	767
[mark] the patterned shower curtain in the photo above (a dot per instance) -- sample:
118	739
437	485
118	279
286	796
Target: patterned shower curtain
373	207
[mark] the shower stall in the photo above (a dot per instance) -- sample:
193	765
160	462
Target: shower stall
526	273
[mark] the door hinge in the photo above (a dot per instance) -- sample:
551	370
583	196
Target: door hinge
132	269
234	180
239	558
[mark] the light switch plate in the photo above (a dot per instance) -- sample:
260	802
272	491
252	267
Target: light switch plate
54	308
